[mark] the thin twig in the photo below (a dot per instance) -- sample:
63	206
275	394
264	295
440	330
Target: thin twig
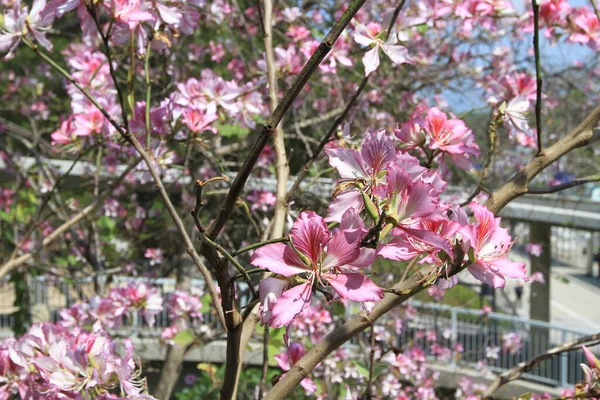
259	244
231	259
563	186
277	115
516	372
488	161
538	73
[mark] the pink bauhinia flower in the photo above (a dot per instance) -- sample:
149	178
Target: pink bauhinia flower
535	249
450	136
322	259
129	12
489	244
368	36
364	168
514	115
18	22
197	120
286	360
511	342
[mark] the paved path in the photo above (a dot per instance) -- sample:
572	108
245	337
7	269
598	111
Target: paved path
575	297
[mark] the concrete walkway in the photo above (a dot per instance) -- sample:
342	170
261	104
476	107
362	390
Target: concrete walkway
575	297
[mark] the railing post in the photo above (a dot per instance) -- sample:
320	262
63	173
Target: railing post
564	367
454	334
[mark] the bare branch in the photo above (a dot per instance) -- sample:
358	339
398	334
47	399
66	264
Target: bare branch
277	115
516	372
563	186
583	134
538	73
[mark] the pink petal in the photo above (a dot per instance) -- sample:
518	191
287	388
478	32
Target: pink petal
354	287
309	235
398	249
378	151
486	275
398	54
341	204
348	162
371	60
341	251
278	258
290	304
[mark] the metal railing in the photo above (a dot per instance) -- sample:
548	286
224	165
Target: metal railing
476	333
451	325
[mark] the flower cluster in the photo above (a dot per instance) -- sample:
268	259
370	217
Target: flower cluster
108	312
409	221
53	362
185	312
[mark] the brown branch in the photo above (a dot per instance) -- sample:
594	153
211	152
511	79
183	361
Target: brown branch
516	372
563	186
273	121
538	73
341	117
583	134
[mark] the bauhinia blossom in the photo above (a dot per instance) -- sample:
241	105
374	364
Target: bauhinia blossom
490	244
362	169
514	114
287	359
18	22
318	257
368	36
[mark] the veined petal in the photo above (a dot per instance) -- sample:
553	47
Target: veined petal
354	287
342	203
290	304
341	251
510	269
278	258
484	274
348	162
397	249
310	235
371	60
377	152
398	54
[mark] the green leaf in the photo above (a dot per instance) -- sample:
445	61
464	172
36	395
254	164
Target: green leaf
232	131
423	28
364	371
107	223
184	338
525	396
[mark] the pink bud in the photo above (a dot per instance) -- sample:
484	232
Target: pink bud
591	358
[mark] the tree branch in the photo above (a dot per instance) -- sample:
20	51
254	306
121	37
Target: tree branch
563	186
516	372
583	134
538	73
277	115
